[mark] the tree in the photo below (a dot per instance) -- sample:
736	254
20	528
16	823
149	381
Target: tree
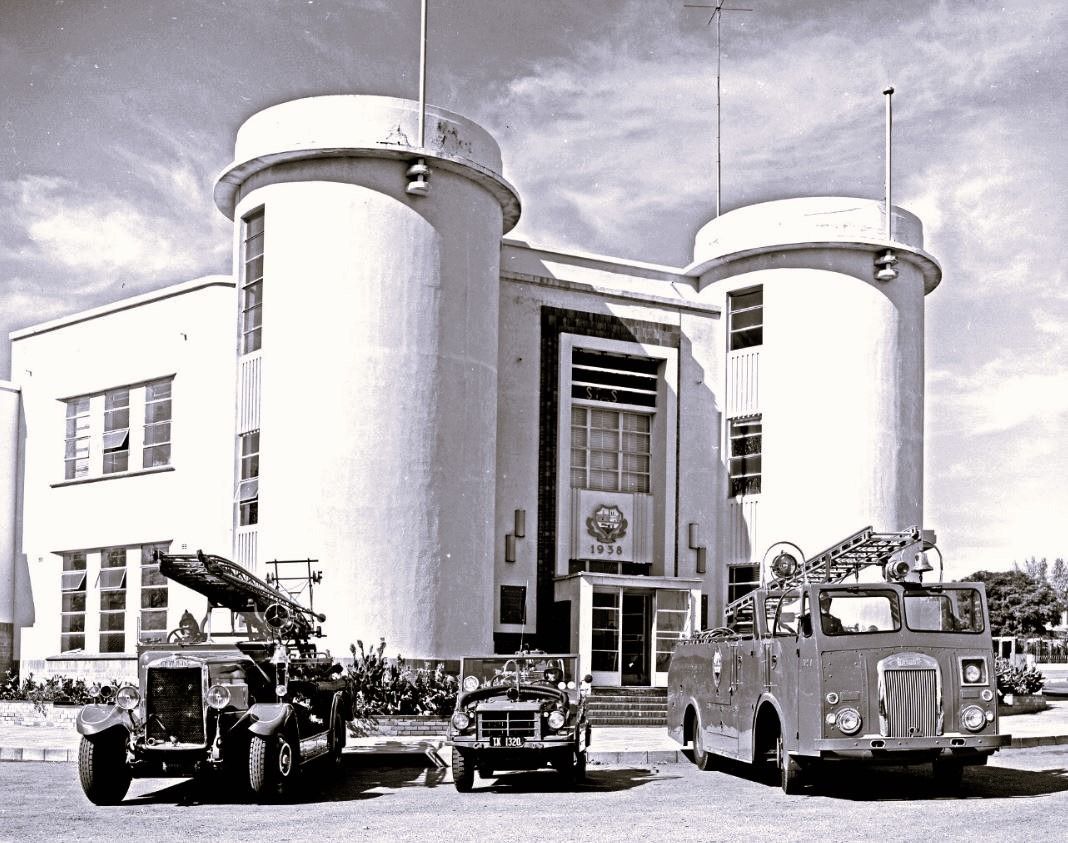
1019	604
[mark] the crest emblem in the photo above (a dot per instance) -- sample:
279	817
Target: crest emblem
607	524
717	666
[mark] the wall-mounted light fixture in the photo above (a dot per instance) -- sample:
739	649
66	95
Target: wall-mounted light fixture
696	546
418	178
519	531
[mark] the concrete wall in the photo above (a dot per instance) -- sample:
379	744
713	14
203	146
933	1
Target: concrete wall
186	331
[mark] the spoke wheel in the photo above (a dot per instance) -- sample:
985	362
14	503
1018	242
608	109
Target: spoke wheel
102	768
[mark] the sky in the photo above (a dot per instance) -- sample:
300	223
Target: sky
118	117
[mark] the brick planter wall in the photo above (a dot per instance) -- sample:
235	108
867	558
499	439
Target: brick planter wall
409	726
22	712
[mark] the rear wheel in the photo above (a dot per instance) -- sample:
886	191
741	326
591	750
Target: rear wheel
273	764
463	770
102	768
338	736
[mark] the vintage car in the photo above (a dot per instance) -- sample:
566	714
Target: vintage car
520	712
249	696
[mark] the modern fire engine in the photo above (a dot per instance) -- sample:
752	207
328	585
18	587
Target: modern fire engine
815	666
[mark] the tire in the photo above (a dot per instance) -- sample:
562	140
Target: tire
790	773
463	770
273	764
102	768
948	776
338	736
701	756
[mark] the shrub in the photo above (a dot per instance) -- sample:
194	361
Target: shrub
53	689
381	686
1017	680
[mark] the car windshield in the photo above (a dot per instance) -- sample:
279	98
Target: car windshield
529	668
944	610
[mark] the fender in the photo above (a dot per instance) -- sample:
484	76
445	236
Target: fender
95	718
269	718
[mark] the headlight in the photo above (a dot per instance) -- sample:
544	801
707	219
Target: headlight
973	718
556	719
460	720
832	698
218	697
470	683
848	721
972	671
127	697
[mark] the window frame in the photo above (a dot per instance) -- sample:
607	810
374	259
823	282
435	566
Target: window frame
253	241
745	318
73	639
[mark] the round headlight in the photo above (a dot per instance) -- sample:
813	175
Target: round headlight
460	720
832	698
848	721
470	683
218	697
556	719
127	697
986	694
973	718
972	673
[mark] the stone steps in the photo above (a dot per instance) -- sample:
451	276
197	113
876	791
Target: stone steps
628	707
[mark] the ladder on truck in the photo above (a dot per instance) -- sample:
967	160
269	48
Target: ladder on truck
229	586
848	557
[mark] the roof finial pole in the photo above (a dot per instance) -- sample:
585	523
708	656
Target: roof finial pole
422	74
889	92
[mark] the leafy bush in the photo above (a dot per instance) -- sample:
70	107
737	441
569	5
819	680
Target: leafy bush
53	689
1017	680
381	686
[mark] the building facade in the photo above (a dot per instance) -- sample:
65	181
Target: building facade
481	444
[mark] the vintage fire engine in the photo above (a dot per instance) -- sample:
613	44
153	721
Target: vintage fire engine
250	697
815	666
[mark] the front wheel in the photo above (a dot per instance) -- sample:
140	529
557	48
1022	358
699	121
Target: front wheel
701	756
273	764
463	770
102	768
789	770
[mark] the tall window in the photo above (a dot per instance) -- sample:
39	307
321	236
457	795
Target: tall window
72	589
744	464
153	595
77	440
248	490
605	631
157	440
99	439
746	318
610	450
116	431
252	284
112	586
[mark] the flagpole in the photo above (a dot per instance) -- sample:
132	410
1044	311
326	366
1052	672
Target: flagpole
422	74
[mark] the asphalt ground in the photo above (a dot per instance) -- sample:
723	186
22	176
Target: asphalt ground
609	745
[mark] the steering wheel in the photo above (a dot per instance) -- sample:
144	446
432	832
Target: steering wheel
182	636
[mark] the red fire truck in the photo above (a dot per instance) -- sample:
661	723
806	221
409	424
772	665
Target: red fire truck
815	666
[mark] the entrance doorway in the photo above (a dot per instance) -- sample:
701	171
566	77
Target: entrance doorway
637	617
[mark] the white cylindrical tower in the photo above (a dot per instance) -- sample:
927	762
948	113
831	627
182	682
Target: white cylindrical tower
378	374
837	382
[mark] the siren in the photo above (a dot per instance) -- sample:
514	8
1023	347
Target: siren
418	175
897	569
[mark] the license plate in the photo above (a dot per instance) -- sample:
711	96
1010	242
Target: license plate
507	741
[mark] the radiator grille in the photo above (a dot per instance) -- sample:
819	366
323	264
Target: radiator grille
508	724
173	705
911	703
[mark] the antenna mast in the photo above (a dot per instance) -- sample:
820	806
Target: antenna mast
422	75
717	15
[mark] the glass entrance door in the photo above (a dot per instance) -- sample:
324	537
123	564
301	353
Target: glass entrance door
634	642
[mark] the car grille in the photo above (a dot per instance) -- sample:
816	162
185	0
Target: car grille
173	705
911	703
508	724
